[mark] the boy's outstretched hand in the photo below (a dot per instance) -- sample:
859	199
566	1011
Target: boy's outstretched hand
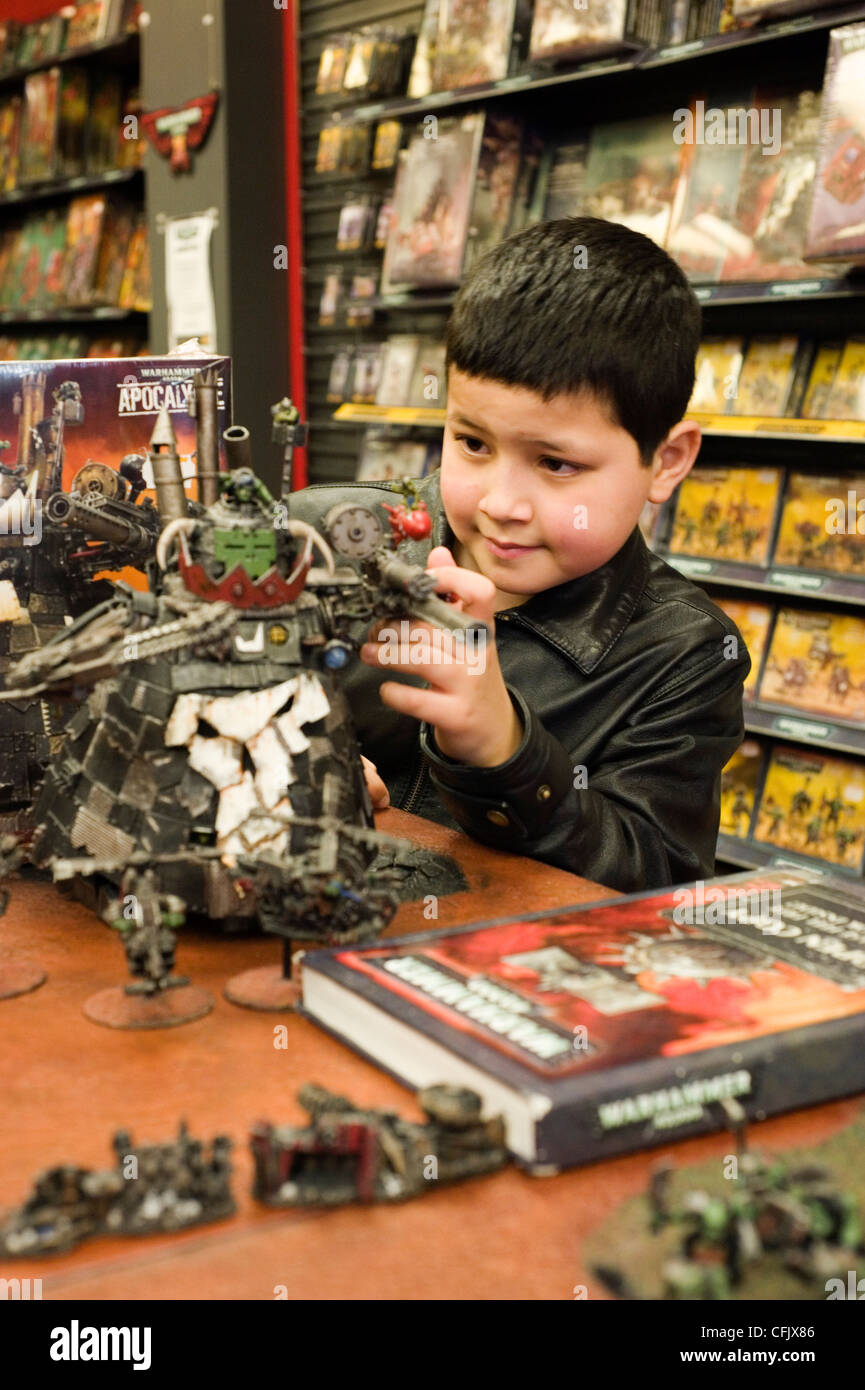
467	702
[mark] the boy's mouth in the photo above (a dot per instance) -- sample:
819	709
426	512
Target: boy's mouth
507	550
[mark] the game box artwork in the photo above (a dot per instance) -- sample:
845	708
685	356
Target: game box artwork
814	804
753	621
432	204
604	1028
740	783
836	228
119	402
816	662
768	376
816	405
846	399
716	375
819	520
727	514
631	176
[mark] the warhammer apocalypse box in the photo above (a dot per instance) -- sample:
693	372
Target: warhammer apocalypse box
120	398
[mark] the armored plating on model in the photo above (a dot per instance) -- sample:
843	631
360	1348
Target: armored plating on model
348	1154
217	733
153	1187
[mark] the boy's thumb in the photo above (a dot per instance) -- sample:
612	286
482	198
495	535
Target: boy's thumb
439	558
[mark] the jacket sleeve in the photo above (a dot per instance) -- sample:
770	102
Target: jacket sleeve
644	815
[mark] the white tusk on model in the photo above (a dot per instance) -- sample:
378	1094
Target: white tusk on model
181	525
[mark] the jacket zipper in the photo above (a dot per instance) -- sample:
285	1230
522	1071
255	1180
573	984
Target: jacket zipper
409	802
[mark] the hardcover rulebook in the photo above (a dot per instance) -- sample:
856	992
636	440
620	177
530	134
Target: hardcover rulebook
600	1029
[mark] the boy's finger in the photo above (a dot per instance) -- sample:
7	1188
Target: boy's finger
438	557
474	589
375	786
435	708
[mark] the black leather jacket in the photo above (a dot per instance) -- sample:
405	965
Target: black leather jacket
628	681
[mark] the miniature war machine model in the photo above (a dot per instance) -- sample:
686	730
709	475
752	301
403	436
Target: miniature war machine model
154	1187
352	1155
798	1216
216	749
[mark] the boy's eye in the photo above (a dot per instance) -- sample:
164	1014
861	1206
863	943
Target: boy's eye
470	441
561	467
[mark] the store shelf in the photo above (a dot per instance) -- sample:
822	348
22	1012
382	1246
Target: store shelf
391	414
775	291
751	855
802	727
60	315
537	78
124	48
31	193
779	427
770	581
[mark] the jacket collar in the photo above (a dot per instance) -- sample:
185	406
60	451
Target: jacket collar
583	618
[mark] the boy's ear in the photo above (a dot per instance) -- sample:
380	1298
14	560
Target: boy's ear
674	458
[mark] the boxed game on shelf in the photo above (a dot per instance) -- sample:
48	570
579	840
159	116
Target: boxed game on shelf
10	142
815	405
136	287
429	378
494	185
386	144
356	225
562	30
386	456
819	521
740	785
563	179
368	62
471	43
753	621
94	21
343	148
727	514
632	174
339	376
703	233
432	206
330	306
846	396
813	804
72	122
38	161
366	372
816	662
716	374
358	301
770	373
775	187
836	228
104	122
397	369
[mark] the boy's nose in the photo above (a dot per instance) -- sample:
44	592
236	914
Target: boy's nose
503	502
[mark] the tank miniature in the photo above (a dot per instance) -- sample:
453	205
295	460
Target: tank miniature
216	745
156	1187
349	1154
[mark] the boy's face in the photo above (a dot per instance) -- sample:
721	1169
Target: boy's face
539	492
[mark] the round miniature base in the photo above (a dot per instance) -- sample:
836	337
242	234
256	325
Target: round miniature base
265	988
114	1008
19	977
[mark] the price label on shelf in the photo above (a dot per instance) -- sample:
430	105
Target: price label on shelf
801	728
785	579
695	567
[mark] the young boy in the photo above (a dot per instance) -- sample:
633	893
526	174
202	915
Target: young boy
611	698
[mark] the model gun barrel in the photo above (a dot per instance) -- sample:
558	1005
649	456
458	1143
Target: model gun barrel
98	523
427	606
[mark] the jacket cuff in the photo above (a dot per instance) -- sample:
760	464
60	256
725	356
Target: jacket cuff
510	802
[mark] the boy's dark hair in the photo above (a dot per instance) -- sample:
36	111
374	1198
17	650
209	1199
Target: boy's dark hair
626	327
